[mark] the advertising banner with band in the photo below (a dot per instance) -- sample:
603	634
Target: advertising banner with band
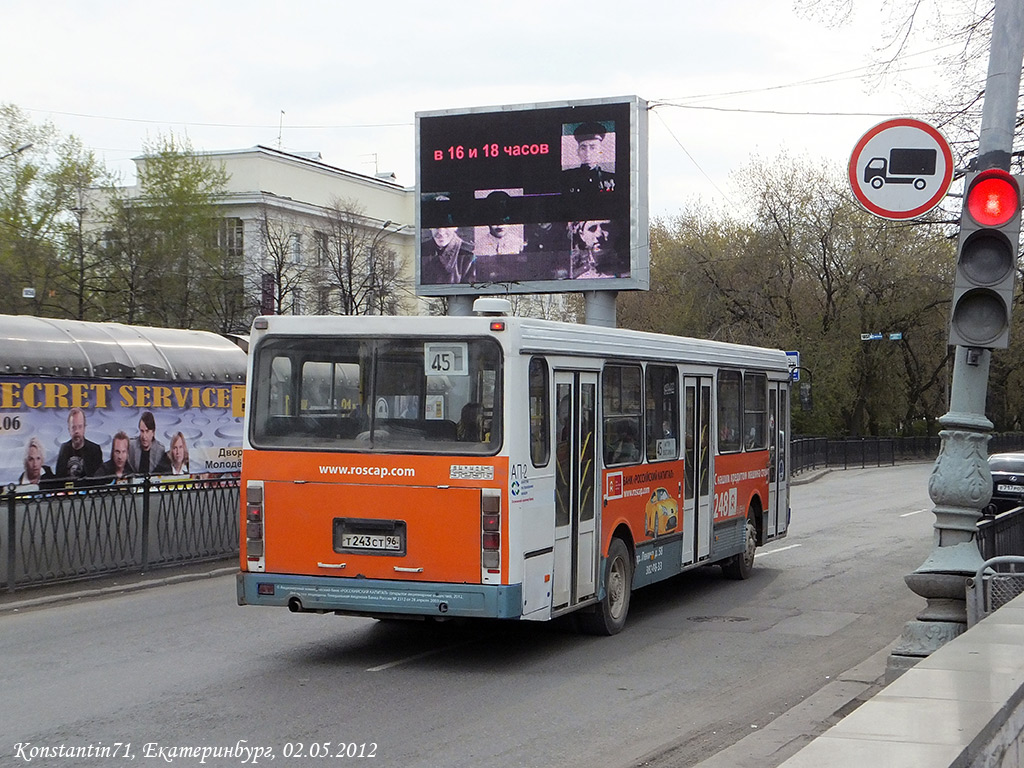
56	433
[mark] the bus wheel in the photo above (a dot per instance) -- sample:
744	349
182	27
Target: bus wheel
742	565
609	614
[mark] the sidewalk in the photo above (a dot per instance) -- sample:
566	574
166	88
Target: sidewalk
26	598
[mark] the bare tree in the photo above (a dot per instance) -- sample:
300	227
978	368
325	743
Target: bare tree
280	255
955	104
812	271
361	270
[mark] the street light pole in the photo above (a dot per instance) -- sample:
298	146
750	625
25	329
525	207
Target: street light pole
961	483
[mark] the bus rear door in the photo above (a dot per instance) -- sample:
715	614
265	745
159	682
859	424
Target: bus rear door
698	468
576	524
778	469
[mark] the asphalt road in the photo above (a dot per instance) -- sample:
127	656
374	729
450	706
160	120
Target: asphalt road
702	663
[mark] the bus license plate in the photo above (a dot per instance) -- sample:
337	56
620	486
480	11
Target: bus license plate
373	537
1003	488
390	543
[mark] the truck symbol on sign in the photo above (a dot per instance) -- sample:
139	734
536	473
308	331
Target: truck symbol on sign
903	166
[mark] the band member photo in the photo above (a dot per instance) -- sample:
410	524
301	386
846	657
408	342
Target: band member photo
597	252
588	157
446	258
78	457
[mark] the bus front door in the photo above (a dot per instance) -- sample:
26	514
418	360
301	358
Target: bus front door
697	469
576	541
778	462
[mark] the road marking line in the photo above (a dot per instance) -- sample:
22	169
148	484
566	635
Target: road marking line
762	553
407	659
915	512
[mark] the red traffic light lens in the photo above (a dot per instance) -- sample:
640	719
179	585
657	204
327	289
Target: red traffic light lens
993	199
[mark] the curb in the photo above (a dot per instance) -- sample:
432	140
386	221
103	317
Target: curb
791	731
809	476
16	605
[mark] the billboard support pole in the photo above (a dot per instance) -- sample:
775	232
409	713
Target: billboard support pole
460	305
600	308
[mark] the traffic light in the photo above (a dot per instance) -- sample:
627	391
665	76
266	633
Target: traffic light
986	260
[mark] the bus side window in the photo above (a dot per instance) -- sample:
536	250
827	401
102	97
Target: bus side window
622	395
540	412
662	413
730	409
755	411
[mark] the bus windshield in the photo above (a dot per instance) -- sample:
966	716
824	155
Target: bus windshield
424	395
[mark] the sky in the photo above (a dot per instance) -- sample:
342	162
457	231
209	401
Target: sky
729	79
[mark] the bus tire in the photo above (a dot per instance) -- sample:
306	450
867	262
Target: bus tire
741	566
609	615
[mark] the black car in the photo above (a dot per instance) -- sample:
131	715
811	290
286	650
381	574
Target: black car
1007	481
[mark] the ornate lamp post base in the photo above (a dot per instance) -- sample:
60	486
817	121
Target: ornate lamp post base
960	486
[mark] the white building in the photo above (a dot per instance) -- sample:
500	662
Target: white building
286	213
298	224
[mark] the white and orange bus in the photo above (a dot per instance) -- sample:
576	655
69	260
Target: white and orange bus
501	467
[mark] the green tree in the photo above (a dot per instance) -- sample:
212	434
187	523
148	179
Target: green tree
128	275
177	194
82	273
168	264
34	198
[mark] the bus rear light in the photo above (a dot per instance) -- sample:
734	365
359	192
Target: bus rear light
254	523
254	549
491	561
490	531
264	589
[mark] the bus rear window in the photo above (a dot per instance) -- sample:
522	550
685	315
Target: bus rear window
416	395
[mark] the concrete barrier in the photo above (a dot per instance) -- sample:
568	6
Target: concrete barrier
962	707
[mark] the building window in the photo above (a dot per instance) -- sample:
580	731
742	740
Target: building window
325	296
228	236
295	248
320	239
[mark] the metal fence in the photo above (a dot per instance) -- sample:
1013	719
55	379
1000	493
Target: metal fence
998	581
53	536
821	452
1000	538
861	452
1002	534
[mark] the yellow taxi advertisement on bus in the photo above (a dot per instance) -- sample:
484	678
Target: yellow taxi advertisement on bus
501	467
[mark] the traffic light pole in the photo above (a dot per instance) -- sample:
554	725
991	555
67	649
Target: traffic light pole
961	484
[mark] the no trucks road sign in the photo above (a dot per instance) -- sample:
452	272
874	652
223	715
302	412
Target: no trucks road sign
901	169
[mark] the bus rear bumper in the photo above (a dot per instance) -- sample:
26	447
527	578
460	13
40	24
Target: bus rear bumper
377	597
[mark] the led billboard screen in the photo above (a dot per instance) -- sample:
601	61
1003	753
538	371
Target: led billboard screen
533	198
